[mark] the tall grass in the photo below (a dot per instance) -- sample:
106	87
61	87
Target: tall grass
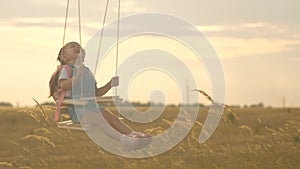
258	138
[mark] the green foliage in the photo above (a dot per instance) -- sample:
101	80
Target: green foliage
296	139
231	117
5	104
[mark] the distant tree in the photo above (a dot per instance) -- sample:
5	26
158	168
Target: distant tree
136	104
198	105
159	104
172	105
259	105
235	106
5	104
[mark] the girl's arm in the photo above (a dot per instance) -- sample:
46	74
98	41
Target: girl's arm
66	84
104	89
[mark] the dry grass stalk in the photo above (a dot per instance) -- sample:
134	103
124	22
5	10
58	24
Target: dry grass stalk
45	115
247	128
208	148
40	138
214	103
167	122
31	114
5	164
42	130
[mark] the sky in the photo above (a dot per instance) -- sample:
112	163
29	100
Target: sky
257	42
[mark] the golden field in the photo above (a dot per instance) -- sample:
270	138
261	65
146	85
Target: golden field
267	138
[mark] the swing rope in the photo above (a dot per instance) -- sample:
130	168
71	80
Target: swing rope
118	36
79	22
101	35
101	38
66	22
65	27
117	49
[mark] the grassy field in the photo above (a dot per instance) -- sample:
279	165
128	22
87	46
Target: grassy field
254	138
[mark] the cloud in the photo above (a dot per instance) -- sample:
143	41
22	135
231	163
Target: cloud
228	12
130	7
198	12
250	39
251	30
33	22
230	41
215	16
219	28
30	8
237	47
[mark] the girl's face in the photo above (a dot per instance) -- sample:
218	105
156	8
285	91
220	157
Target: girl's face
71	52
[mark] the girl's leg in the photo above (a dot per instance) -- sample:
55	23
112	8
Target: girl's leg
115	129
92	118
129	143
115	122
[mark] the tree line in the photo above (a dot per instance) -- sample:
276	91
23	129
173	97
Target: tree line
148	104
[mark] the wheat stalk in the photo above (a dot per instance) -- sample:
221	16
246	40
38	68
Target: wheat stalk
208	97
247	128
5	164
45	115
42	130
31	114
40	138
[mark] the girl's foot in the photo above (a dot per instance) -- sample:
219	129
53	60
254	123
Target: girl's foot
135	141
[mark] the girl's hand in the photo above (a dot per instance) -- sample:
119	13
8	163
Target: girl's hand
114	81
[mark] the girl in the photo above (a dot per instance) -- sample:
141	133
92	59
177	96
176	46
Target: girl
83	84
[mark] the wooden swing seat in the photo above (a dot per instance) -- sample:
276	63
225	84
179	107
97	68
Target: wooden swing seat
68	124
104	100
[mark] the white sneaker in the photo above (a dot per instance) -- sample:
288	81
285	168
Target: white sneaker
140	135
128	143
135	141
145	139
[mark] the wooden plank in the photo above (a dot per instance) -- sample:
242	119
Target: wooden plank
101	98
83	101
74	102
71	127
65	122
68	124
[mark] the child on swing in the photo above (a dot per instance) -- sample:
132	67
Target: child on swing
73	55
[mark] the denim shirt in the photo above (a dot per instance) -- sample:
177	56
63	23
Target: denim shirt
85	86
